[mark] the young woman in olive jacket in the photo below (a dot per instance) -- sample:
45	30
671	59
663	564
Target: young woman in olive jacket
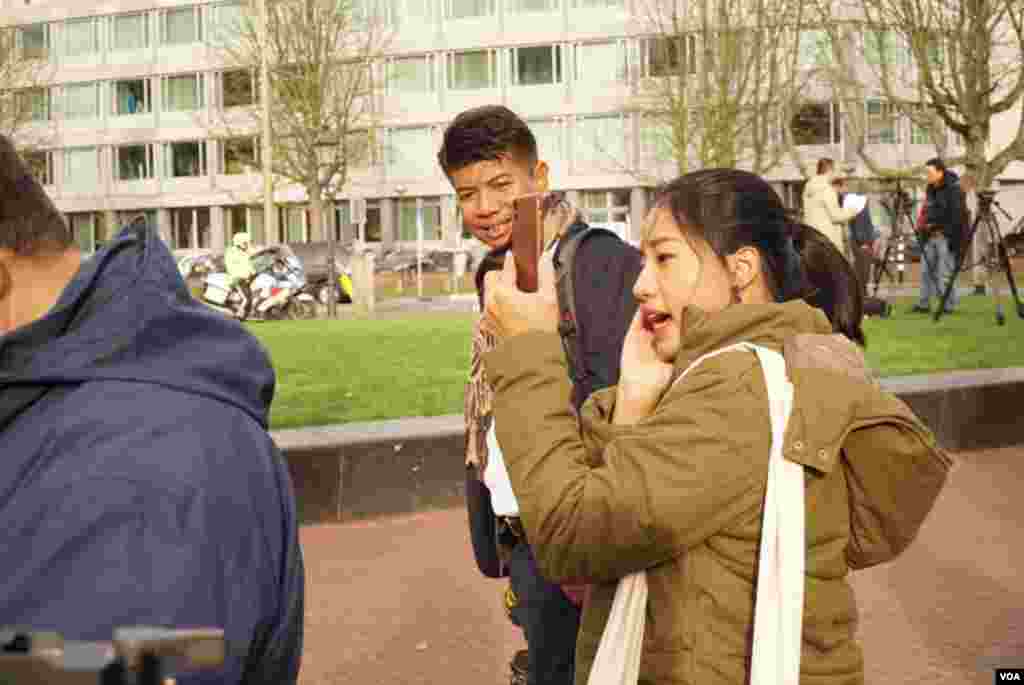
669	477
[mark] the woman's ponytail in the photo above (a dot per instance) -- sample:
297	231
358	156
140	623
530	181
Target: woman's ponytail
835	288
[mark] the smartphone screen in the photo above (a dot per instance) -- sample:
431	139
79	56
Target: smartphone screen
527	240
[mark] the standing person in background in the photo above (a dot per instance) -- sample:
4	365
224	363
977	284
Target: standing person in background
821	205
942	233
863	243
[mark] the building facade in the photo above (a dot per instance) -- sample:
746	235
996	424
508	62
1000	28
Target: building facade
122	120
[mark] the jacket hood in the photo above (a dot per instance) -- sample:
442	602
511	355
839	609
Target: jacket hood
769	325
128	315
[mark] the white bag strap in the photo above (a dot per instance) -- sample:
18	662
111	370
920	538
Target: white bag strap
779	598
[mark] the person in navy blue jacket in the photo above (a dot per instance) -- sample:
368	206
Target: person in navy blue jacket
138	482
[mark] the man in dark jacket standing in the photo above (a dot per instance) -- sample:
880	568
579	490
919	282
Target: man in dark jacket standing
138	484
942	233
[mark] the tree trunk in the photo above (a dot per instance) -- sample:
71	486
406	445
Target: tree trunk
316	215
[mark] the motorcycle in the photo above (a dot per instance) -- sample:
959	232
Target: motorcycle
275	291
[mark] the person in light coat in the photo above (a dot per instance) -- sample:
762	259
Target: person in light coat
821	206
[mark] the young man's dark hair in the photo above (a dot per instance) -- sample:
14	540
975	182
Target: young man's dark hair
484	134
29	222
936	163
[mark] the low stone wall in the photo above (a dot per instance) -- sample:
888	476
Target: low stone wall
365	470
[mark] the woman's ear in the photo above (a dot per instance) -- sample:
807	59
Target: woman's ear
744	267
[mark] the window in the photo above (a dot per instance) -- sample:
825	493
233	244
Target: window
524	6
132	96
36	103
411	152
372	227
429	209
361	149
81	101
601	62
815	48
236	220
605	206
182	25
881	122
656	138
81	37
670	55
471	70
409	12
238	88
83	227
600	141
34	41
884	47
239	155
816	123
549	138
190	228
133	162
129	31
293	223
536	65
185	158
183	93
597	4
82	167
462	9
411	75
40	163
229	23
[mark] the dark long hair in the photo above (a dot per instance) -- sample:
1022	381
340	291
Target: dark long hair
730	209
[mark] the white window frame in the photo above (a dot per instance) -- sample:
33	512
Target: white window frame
147	41
169	159
68	181
492	68
147	99
19	40
900	49
431	62
221	91
46	178
689	56
622	58
424	202
450	15
149	165
557	55
555	152
888	114
48	98
222	162
94	22
97	90
579	126
197	24
200	81
811	39
517	7
194	233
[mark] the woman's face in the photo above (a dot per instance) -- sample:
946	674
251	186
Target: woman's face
675	277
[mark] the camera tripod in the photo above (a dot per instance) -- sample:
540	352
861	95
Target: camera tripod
902	228
997	256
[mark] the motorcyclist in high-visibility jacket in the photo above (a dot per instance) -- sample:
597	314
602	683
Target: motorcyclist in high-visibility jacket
237	259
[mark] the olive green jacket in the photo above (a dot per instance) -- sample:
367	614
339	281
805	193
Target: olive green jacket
680	494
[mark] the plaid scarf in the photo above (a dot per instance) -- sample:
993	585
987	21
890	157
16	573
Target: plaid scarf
479	396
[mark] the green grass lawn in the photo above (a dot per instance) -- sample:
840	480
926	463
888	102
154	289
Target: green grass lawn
374	369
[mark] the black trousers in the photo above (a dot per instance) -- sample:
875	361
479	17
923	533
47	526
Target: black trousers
549	621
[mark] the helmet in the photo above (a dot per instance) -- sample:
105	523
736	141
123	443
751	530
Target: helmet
241	239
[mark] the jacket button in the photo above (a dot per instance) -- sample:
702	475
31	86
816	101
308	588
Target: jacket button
822	454
798	445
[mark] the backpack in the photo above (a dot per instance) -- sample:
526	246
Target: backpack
595	271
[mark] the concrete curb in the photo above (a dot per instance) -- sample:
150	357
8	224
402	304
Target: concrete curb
364	470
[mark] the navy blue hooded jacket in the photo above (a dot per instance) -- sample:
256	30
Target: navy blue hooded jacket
138	483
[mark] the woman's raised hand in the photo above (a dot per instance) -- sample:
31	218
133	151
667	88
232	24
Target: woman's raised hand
643	376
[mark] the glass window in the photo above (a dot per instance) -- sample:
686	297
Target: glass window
82	166
236	220
884	47
407	218
882	126
36	103
601	141
81	101
132	96
600	62
411	75
411	152
656	138
817	123
239	155
372	227
40	163
536	65
35	41
294	224
83	227
461	9
81	37
133	162
190	228
671	55
229	23
595	202
183	93
523	6
815	48
182	25
186	158
596	4
129	31
470	70
239	88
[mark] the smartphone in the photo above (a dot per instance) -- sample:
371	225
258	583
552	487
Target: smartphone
528	240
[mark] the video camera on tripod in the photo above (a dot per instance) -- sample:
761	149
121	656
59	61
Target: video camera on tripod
136	656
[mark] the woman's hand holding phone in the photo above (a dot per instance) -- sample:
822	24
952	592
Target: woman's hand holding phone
510	312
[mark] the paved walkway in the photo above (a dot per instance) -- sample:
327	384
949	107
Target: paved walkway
399	601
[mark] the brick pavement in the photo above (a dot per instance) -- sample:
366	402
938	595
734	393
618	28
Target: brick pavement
399	601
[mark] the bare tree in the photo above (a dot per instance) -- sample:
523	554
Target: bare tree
24	98
322	118
719	76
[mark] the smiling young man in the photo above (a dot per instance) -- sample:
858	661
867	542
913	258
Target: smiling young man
490	156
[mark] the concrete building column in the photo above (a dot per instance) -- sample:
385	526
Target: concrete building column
163	224
218	229
388	222
637	211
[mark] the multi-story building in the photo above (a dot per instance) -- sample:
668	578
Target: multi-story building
123	119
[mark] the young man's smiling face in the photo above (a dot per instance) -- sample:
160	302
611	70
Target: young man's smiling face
486	189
